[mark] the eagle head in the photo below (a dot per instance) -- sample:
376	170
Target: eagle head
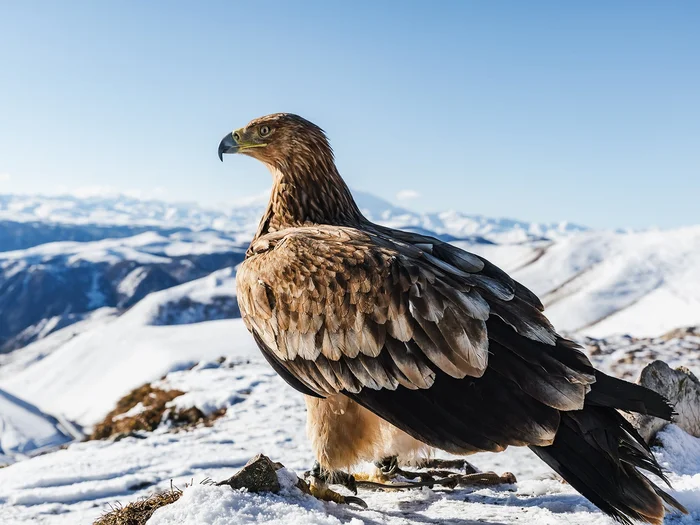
279	140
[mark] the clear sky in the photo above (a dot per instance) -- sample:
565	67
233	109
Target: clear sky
580	111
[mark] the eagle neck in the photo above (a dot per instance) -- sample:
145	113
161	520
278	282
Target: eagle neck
313	193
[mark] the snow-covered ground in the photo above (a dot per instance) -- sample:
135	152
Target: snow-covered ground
83	378
24	429
77	484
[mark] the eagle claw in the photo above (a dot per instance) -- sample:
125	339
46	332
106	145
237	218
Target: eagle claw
356	501
336	477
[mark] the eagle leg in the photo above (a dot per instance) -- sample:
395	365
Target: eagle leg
319	479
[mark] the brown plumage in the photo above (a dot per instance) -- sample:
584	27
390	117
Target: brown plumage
401	341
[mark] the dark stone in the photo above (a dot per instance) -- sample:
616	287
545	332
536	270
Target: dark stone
258	475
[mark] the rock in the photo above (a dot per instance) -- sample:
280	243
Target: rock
258	475
682	388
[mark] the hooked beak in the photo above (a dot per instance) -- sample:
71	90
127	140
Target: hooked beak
227	145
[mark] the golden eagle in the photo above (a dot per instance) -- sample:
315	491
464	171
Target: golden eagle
401	341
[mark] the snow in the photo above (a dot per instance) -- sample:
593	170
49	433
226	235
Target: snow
680	453
222	506
144	248
24	429
77	484
221	283
600	283
209	390
594	283
15	362
130	283
83	378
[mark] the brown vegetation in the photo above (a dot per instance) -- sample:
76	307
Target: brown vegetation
150	406
139	512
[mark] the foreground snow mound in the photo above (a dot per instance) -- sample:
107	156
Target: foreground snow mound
223	506
24	429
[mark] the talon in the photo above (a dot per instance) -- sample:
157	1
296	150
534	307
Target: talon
320	490
356	501
337	477
346	480
351	484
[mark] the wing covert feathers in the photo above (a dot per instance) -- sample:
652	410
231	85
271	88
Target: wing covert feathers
386	313
447	347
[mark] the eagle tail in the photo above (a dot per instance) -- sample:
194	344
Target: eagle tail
598	452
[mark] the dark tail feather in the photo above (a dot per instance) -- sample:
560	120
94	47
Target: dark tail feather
611	392
599	453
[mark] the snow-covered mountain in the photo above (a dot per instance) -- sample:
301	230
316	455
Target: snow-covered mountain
52	285
120	211
600	283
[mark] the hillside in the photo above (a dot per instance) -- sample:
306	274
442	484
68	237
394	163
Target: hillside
593	282
26	430
53	285
600	283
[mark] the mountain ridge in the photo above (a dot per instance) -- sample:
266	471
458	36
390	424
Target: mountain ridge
243	216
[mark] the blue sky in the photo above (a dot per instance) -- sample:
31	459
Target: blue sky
585	111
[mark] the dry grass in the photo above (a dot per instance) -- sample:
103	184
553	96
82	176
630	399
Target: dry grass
148	418
151	413
139	512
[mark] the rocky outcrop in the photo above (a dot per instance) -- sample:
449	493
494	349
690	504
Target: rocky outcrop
682	388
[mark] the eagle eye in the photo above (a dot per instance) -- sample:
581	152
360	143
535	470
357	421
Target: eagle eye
264	130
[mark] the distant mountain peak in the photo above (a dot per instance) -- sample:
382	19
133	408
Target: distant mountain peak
242	216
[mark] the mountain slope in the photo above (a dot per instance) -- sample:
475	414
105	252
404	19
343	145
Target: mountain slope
601	283
53	285
81	371
592	282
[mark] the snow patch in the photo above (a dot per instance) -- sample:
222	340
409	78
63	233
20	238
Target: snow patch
223	506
